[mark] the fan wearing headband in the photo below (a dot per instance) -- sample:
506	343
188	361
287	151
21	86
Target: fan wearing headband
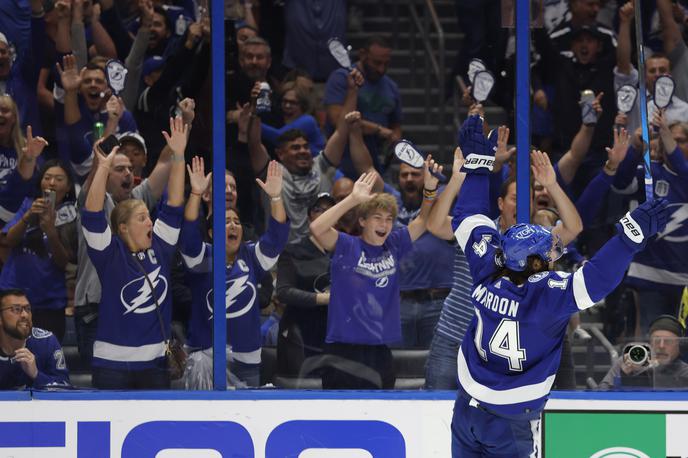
511	351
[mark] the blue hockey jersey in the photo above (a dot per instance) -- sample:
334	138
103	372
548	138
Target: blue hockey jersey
511	352
129	334
50	362
663	261
241	293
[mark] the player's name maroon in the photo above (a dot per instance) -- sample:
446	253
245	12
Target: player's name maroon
494	302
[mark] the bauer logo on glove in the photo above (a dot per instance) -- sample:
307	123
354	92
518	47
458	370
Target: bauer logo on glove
476	161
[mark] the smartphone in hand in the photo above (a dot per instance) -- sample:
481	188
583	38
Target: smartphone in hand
108	144
49	198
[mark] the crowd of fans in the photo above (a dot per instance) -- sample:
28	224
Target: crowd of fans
335	253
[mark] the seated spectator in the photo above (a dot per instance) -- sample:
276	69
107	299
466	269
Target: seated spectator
30	357
135	314
295	108
246	264
43	239
664	370
363	316
303	285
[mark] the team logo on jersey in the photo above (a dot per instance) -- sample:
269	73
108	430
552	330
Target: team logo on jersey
240	295
382	282
676	230
39	333
137	297
537	277
662	188
242	265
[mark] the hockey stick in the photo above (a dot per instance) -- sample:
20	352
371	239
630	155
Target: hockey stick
642	100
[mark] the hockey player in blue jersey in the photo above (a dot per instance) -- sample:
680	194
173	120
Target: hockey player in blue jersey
247	263
508	360
133	261
29	357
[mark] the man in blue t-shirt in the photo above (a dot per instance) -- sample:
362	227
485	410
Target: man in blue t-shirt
29	357
426	273
378	101
510	354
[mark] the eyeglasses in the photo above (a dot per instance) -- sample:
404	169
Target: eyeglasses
18	309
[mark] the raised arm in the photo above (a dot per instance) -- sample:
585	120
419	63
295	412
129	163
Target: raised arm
137	53
334	149
273	188
623	48
479	162
417	227
439	221
28	156
70	78
95	199
199	183
360	156
176	140
544	173
592	197
102	41
78	33
675	157
322	227
671	33
570	162
160	174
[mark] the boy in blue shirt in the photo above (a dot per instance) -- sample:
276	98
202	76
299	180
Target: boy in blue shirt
510	354
363	315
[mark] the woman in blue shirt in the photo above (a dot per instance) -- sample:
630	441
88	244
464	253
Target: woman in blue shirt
42	236
133	261
295	106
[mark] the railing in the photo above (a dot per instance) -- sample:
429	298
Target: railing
433	65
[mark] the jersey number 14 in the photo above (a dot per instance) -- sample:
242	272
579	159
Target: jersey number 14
505	342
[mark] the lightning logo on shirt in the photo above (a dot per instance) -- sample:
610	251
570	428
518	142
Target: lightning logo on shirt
137	293
239	290
675	224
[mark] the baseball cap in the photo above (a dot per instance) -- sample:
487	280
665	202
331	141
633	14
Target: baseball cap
324	196
135	137
152	64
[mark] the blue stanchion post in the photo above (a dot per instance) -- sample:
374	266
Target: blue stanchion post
217	23
523	111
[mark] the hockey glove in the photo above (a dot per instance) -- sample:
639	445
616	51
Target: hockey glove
637	226
478	150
